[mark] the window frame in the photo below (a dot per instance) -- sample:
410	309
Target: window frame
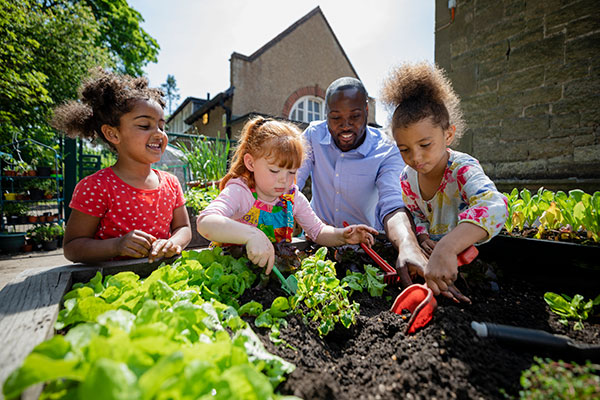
304	100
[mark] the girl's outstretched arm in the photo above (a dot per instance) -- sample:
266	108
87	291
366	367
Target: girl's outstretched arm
223	229
353	234
181	236
442	269
80	245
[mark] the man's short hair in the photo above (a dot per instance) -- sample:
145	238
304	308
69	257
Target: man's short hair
344	83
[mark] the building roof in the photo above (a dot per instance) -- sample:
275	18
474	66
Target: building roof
195	100
278	38
208	105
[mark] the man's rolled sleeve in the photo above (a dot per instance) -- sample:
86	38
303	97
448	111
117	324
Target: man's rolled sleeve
388	184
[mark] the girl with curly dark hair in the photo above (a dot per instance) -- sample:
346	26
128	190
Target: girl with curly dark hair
129	209
453	202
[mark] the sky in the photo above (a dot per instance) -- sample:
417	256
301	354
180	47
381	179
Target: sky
197	37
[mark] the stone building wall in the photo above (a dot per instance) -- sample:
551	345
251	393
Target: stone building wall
528	74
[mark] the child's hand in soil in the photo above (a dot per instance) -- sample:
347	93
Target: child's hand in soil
136	244
163	248
260	251
355	234
441	273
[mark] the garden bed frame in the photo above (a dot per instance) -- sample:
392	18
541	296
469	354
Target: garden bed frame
29	304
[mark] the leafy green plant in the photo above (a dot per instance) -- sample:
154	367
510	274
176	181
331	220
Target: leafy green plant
571	307
547	379
547	210
321	297
46	233
372	280
166	336
199	198
18	209
206	158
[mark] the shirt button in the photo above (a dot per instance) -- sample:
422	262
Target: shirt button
336	210
337	174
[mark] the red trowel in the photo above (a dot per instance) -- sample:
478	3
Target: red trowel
419	299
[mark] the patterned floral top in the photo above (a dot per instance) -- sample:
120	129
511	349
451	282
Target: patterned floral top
465	194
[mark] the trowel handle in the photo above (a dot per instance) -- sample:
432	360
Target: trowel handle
279	275
467	256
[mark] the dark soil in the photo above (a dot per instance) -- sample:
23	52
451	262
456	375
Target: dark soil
375	359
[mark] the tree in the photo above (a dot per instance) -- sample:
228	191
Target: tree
170	89
47	47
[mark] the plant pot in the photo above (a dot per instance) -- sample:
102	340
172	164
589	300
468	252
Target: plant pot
22	219
11	242
42	218
48	196
31	173
43	171
10	196
50	245
51	218
32	219
27	247
8	172
13	219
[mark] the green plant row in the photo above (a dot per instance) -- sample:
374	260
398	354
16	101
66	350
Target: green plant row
164	337
571	308
546	210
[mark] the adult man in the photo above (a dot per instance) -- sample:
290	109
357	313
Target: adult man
355	171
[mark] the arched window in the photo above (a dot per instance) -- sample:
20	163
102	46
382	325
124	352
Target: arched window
307	109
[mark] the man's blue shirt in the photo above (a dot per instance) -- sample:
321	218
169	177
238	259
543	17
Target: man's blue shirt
360	186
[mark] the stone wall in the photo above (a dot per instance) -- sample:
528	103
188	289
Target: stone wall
528	74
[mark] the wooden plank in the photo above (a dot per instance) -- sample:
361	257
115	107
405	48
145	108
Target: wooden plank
29	306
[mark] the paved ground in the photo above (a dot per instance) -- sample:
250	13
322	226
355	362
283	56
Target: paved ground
12	265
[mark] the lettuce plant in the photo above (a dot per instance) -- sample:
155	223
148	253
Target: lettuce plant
571	307
164	337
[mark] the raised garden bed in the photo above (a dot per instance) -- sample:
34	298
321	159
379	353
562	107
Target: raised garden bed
374	358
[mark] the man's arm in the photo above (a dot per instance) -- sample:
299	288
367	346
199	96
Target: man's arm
399	230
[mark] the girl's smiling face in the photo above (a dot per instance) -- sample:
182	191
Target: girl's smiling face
423	146
270	179
141	134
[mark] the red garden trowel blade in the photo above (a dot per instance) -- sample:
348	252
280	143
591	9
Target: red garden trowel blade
419	300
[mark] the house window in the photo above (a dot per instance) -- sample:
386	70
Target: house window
307	109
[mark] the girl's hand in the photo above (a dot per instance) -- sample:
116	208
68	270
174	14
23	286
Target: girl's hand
163	248
260	250
441	272
355	234
426	243
136	244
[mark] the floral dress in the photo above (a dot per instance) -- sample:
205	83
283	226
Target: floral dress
465	194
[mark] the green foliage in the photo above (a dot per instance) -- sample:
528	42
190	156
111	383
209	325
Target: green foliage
162	337
46	233
48	47
571	308
199	198
321	297
547	379
372	280
558	211
107	157
206	158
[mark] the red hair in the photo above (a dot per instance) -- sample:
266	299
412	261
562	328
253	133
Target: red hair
280	142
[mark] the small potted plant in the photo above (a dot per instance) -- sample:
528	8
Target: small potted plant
48	235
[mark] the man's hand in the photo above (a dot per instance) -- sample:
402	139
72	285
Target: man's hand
136	244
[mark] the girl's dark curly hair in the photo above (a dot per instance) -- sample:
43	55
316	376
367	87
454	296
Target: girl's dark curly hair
104	98
419	91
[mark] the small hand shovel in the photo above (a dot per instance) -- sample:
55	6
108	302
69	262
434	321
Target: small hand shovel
289	285
419	299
